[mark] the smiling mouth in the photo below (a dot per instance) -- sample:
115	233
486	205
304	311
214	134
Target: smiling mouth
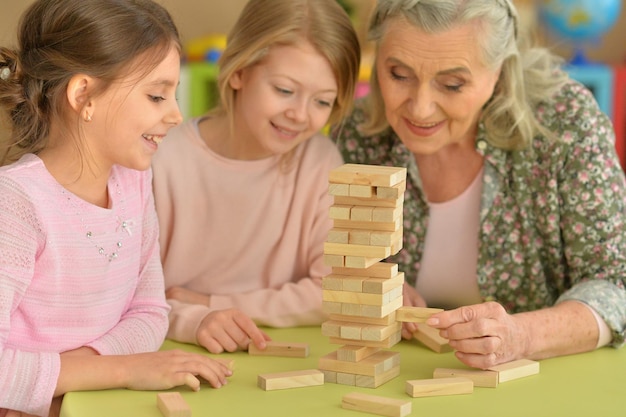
424	125
285	131
157	139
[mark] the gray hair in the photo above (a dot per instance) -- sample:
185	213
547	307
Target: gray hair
528	75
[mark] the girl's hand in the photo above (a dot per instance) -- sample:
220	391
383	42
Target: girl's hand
172	368
229	330
410	298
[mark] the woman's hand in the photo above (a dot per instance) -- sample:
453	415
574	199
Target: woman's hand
483	335
410	298
187	296
229	330
168	369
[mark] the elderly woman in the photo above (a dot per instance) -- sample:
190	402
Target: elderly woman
514	213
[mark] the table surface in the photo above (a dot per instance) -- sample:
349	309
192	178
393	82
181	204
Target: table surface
589	384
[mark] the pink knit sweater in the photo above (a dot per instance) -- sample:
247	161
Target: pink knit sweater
249	233
58	292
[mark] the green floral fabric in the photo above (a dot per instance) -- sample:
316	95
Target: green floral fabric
552	218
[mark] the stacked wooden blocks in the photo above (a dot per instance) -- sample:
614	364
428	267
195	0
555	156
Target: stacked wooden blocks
362	293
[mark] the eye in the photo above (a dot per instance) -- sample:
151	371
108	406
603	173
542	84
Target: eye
283	91
325	103
456	88
156	99
396	76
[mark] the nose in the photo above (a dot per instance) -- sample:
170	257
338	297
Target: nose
174	117
422	102
298	110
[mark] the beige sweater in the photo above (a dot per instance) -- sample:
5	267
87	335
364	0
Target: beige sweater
248	233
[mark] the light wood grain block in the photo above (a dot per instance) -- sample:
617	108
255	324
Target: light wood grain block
378	333
376	175
292	379
378	270
350	309
375	404
370	202
487	379
331	307
430	338
382	226
382	285
334	260
440	386
359	331
332	282
172	404
395	191
515	369
375	364
381	321
339	236
362	261
354	353
386	343
366	381
381	311
331	328
330	377
360	237
342	190
352	297
415	314
340	212
350	331
346	379
364	213
286	349
381	238
352	284
384	214
357	190
367	251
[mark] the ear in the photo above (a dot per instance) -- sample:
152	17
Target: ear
236	80
78	90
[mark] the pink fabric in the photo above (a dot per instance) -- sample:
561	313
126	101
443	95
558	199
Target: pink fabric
447	276
249	233
58	293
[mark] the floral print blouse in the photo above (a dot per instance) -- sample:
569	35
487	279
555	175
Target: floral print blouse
552	216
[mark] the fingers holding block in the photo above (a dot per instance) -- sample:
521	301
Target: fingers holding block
516	369
293	379
287	349
375	404
430	338
415	314
172	404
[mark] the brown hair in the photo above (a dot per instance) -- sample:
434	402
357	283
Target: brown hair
264	23
58	39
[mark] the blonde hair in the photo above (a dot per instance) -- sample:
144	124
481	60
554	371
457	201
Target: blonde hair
528	75
264	23
58	39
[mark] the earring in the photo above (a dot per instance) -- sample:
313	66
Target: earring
87	117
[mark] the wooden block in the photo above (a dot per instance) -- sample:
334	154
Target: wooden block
350	331
378	333
172	404
396	191
332	282
415	314
353	353
376	175
356	250
382	285
441	386
488	379
384	214
331	328
366	381
382	226
334	260
286	349
339	212
386	344
515	369
370	202
430	338
359	331
354	284
364	213
376	404
381	311
292	379
378	270
357	190
339	190
330	377
380	238
349	309
360	237
346	379
351	297
382	321
362	261
375	364
339	236
331	307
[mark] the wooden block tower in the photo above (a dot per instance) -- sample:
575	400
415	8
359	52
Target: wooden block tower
362	294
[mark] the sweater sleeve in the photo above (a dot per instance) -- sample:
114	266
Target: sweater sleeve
27	379
143	325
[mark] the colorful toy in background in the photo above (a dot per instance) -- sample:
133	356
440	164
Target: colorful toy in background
580	22
197	91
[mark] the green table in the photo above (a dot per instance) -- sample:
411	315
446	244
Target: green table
591	384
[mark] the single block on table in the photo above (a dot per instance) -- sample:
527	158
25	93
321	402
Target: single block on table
291	379
440	386
172	404
376	404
